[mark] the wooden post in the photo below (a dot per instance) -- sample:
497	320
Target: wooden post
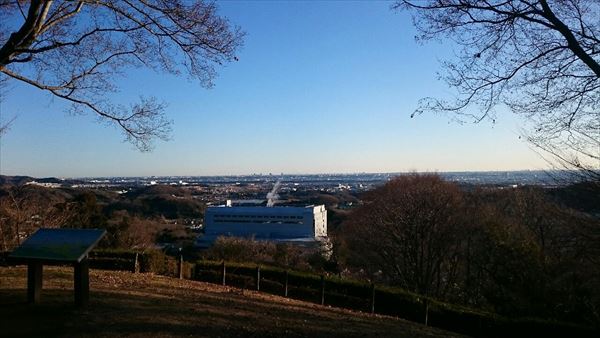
34	282
372	298
258	278
322	289
82	282
224	272
180	266
285	293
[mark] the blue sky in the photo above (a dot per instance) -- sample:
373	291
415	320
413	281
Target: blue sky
319	87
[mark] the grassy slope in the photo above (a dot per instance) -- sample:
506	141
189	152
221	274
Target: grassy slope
127	304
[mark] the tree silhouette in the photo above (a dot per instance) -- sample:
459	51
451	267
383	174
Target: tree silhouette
540	58
75	49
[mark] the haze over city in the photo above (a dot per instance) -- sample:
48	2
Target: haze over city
319	87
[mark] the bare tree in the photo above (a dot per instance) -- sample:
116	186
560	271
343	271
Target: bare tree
25	208
5	125
410	232
540	58
5	122
74	50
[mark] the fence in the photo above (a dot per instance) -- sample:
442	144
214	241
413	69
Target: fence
361	296
337	292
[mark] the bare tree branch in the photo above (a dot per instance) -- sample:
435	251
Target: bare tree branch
75	49
539	58
5	126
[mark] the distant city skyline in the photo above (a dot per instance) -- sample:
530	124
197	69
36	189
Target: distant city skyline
323	87
277	176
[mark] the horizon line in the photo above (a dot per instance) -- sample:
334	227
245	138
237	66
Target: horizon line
307	174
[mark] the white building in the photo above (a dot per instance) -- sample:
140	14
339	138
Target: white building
280	224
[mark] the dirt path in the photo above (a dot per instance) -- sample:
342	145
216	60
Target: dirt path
142	305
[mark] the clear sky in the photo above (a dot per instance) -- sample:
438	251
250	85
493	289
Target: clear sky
319	87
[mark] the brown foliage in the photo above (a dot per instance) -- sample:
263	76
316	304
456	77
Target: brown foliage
243	250
513	251
25	208
409	231
132	232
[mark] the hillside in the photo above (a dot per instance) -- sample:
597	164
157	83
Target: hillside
20	180
141	305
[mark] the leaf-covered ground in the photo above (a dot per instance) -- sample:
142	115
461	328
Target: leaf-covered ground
143	305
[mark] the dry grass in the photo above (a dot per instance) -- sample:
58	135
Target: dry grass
142	305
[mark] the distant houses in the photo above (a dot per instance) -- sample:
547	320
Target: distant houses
44	184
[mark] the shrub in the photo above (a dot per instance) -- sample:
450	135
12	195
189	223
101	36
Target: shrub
157	262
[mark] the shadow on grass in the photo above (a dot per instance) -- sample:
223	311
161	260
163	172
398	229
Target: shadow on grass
123	304
117	314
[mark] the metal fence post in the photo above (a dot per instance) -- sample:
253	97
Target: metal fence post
322	289
372	298
136	264
426	311
180	266
224	273
286	283
258	278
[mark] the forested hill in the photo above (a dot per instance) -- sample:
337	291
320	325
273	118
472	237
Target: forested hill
20	180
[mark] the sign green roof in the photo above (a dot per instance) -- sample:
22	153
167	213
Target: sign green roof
59	245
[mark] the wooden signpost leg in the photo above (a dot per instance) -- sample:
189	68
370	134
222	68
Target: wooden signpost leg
34	282
82	283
